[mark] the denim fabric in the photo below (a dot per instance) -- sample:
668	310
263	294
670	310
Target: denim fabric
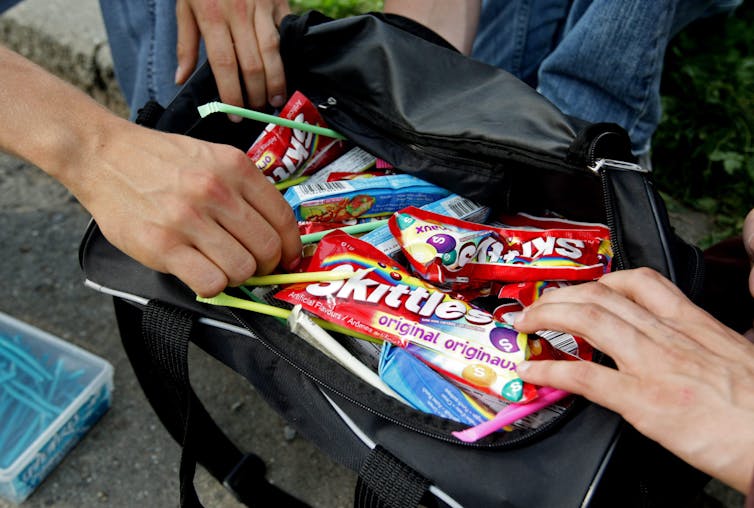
7	4
142	36
600	60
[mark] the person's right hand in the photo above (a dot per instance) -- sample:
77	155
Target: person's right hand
683	378
198	210
238	34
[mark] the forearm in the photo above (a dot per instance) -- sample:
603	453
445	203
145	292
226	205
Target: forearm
455	20
47	121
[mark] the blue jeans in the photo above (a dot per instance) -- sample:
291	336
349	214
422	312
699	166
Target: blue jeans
600	60
142	36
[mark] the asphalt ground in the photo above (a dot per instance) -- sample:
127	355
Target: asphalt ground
128	459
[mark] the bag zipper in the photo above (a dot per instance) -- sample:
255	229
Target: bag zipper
442	437
600	167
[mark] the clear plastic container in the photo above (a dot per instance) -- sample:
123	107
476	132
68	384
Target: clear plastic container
51	394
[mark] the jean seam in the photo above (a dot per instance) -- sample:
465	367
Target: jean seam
151	84
648	91
521	33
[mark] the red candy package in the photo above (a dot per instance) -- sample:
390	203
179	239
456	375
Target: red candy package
385	301
282	152
443	249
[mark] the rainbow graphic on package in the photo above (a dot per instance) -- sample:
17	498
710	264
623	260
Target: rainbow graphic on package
462	341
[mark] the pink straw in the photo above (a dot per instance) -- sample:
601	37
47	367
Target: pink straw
510	414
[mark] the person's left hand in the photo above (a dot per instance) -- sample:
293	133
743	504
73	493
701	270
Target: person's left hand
683	378
238	35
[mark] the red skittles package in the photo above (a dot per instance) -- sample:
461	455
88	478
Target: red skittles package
383	300
443	249
282	152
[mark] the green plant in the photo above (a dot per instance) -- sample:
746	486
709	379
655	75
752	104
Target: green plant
703	151
336	8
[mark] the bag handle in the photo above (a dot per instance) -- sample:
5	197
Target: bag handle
159	356
386	482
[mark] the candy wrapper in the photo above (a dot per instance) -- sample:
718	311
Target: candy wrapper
366	197
282	152
386	302
452	205
443	249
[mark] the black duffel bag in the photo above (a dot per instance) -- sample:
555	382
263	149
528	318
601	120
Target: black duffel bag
401	93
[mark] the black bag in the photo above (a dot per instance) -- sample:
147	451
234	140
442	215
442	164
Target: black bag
401	93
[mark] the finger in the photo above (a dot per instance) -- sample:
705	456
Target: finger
195	270
255	234
649	289
608	332
246	41
601	294
222	59
602	385
187	46
218	245
269	48
661	298
647	300
748	238
748	234
276	211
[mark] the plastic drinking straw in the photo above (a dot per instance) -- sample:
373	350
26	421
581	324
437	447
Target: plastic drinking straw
355	229
303	326
294	278
224	299
290	183
221	107
510	414
28	397
16	355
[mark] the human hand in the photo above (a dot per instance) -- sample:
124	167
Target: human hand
748	239
237	34
683	379
198	210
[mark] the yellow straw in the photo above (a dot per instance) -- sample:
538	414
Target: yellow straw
225	300
294	278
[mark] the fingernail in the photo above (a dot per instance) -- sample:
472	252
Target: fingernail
235	118
511	317
523	367
294	265
277	101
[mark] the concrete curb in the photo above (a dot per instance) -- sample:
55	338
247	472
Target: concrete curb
67	38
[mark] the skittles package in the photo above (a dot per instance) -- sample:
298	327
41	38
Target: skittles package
384	300
444	249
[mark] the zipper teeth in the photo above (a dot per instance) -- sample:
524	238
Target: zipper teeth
513	442
618	258
617	245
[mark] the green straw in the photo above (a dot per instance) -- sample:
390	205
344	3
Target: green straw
225	300
290	183
221	107
355	229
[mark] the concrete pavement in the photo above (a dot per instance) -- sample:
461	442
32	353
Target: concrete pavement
128	460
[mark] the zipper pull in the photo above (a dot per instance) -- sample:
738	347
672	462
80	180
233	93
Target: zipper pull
330	103
612	164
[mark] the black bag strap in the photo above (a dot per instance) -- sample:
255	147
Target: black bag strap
386	482
156	342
